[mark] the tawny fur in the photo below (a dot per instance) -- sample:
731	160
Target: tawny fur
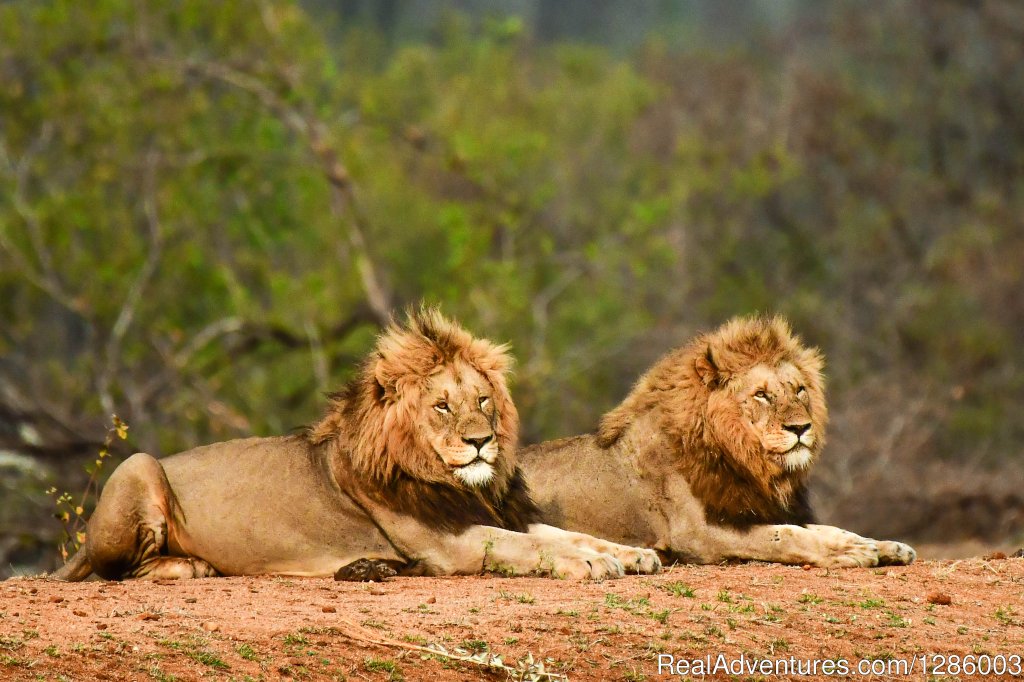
706	459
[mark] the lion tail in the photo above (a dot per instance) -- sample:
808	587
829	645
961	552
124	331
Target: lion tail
74	571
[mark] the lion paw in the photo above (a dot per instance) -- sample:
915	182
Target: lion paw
892	553
843	549
636	559
365	570
582	565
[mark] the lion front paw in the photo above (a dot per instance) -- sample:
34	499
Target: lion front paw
637	559
843	549
583	565
892	553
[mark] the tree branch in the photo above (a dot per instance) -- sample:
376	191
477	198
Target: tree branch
343	195
46	278
127	313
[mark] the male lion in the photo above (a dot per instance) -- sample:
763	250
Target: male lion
707	458
413	465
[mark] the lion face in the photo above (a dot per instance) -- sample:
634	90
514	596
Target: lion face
431	404
765	401
776	408
740	412
457	420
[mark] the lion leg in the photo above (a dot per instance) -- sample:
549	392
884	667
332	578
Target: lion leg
816	545
127	534
634	559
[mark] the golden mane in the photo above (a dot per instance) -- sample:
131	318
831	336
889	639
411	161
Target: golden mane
724	465
375	416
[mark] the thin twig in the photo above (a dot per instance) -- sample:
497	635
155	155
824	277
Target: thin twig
358	634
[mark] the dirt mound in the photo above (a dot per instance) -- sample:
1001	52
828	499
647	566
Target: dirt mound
313	629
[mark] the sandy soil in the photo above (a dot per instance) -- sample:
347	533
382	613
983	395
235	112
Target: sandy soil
313	629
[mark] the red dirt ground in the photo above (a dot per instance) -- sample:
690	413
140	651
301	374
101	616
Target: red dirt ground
317	629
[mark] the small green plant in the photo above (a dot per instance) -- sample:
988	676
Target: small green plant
808	598
678	589
870	603
246	652
475	645
1005	614
418	640
72	514
383	665
159	675
524	598
207	658
897	621
714	631
293	639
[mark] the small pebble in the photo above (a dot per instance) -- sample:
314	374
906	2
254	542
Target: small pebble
190	600
329	609
940	598
210	626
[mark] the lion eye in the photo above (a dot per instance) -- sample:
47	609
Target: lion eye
484	400
801	391
761	395
442	407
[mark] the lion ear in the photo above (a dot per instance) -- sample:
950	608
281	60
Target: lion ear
386	384
707	368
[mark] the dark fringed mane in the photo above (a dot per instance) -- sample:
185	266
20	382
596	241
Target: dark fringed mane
454	510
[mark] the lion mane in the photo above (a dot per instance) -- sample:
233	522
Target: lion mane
371	428
723	462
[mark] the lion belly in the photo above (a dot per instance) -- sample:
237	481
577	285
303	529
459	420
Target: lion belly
266	505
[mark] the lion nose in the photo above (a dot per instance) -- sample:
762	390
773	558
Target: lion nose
479	442
798	429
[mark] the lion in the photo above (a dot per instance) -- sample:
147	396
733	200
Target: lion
707	459
413	465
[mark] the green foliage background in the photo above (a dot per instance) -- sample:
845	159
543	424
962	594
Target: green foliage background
207	211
